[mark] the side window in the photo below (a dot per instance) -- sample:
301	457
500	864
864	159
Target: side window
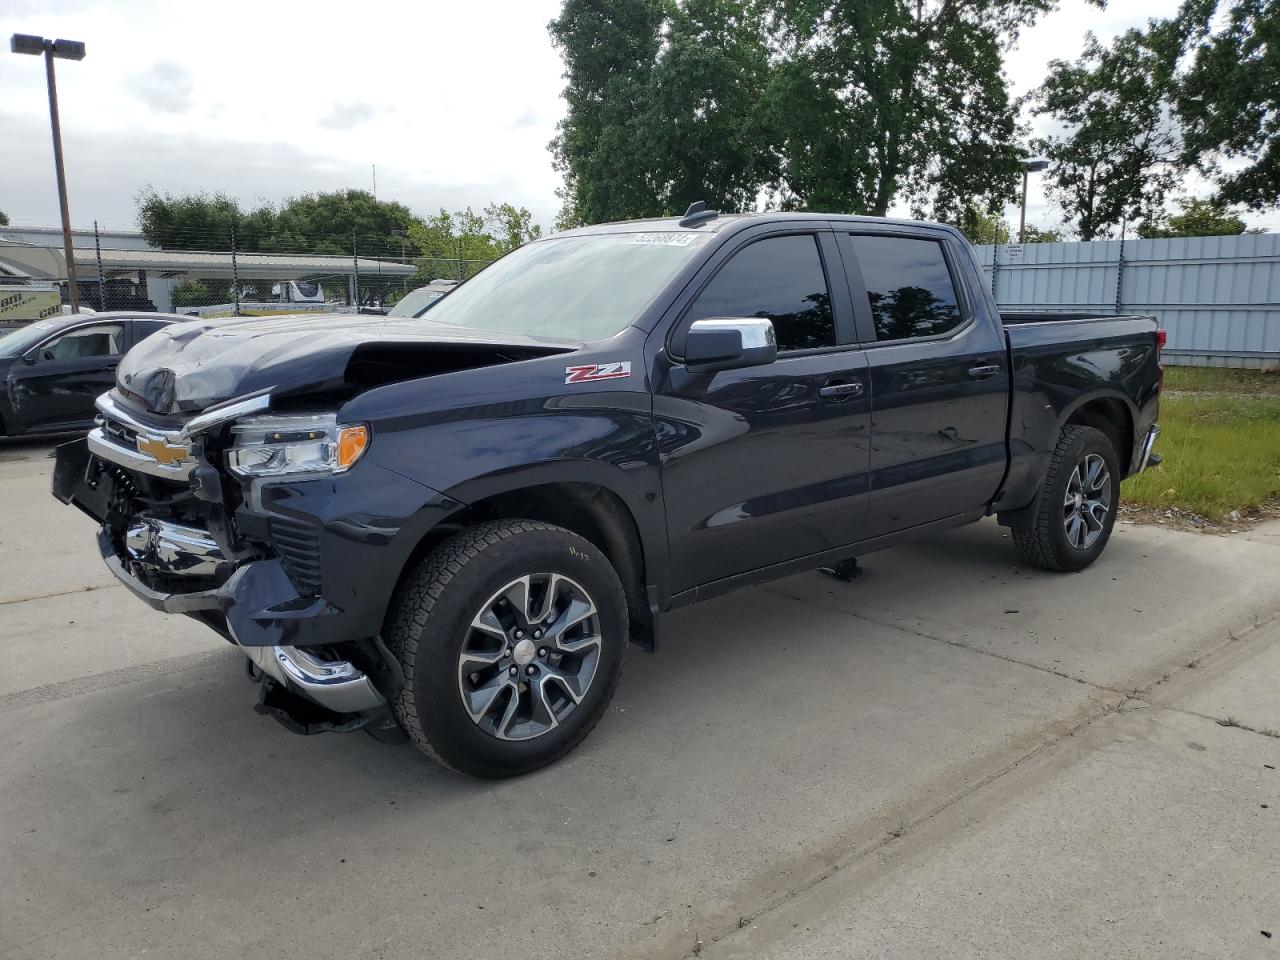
779	278
102	340
909	287
145	328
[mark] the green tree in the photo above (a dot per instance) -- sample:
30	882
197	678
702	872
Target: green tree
330	223
1229	99
201	222
1037	235
475	238
663	101
884	100
1199	218
1119	154
509	226
197	293
4	219
842	105
325	223
609	48
982	227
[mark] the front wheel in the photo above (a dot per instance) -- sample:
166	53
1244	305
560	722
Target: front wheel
511	636
1077	505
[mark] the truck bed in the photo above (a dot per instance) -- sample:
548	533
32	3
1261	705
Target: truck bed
1010	319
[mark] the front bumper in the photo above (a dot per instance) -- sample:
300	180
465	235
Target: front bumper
336	685
299	576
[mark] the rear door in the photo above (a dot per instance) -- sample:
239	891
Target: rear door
938	377
766	464
54	385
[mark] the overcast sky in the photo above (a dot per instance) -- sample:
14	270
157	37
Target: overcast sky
454	102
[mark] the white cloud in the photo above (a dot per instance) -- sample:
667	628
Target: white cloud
165	86
264	101
344	116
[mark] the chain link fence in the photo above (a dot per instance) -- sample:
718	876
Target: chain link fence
121	271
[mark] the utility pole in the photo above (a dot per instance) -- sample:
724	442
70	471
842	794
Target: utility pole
1028	167
102	282
63	50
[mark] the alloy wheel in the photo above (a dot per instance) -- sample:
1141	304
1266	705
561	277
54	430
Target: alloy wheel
1087	502
529	657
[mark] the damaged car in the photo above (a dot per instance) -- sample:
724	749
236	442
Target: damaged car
449	529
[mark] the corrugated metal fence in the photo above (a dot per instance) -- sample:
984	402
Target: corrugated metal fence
1218	297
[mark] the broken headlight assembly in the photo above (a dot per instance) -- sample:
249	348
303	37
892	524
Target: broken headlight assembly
278	445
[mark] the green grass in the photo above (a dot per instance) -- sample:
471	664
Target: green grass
1221	380
1221	450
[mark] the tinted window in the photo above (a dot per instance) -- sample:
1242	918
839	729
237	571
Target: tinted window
908	286
102	340
780	278
145	328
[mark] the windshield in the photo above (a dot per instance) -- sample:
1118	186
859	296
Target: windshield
17	342
570	288
414	302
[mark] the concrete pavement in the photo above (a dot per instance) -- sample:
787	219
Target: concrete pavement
949	756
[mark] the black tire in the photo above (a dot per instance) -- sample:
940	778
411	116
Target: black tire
1047	541
430	620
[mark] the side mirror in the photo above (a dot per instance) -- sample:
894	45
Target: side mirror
30	357
730	343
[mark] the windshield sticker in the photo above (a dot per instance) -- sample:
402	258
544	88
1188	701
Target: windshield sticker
664	239
591	372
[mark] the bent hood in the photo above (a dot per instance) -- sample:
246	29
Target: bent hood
187	367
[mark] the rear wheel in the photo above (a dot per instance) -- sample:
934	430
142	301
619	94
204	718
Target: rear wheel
1076	508
511	635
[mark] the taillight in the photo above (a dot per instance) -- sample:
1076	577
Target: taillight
1161	337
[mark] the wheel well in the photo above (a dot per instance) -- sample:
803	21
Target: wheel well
1113	418
594	513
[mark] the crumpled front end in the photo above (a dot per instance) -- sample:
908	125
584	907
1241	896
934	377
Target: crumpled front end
281	568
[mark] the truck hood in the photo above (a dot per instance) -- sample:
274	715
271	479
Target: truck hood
190	366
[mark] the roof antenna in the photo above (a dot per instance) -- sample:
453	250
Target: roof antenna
698	214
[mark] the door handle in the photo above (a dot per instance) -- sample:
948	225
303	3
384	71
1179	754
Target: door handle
984	371
839	391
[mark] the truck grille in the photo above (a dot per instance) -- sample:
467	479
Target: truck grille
297	543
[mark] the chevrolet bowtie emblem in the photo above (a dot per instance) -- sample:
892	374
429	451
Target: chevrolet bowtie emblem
161	452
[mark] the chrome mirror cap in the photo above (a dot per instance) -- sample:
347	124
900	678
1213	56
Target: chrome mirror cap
728	343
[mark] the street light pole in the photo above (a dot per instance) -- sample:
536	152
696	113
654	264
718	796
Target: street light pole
1028	167
65	50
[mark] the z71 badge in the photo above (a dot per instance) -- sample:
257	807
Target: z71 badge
591	372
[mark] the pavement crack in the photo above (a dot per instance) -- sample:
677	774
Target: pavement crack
953	643
57	593
65	689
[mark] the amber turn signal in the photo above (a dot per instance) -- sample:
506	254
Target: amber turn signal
352	442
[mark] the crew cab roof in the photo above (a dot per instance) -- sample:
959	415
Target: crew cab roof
727	221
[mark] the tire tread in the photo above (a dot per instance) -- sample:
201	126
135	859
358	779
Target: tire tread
412	609
1034	543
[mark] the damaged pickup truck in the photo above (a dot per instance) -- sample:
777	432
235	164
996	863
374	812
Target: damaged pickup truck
450	527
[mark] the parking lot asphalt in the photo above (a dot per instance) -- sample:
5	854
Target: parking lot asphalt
950	756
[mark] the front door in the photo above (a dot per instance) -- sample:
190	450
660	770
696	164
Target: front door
766	464
939	383
54	385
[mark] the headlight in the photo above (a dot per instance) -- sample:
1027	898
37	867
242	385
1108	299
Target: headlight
285	444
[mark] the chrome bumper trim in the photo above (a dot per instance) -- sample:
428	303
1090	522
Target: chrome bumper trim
101	445
1147	445
334	684
173	548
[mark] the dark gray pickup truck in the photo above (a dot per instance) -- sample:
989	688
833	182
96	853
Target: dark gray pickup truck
449	527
